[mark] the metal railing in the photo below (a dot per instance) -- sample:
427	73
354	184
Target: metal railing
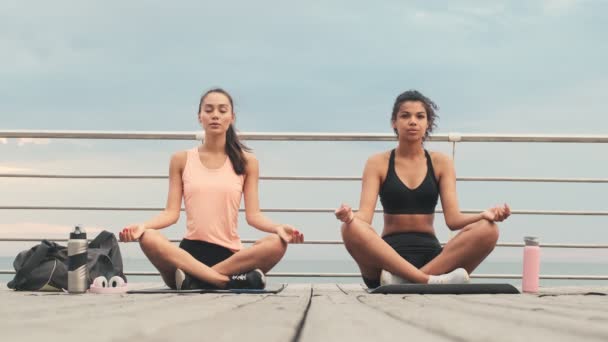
265	136
311	178
453	138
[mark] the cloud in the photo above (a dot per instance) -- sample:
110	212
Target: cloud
40	230
576	108
558	7
10	169
32	141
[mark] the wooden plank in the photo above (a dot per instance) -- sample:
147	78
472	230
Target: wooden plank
336	315
111	317
334	312
268	317
572	290
548	305
481	322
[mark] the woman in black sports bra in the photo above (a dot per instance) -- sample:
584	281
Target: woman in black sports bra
409	181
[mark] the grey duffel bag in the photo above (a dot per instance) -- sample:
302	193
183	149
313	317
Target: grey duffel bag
44	267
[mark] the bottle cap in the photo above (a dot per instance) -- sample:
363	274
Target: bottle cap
531	240
78	233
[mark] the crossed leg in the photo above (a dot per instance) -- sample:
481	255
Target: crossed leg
467	249
167	257
372	254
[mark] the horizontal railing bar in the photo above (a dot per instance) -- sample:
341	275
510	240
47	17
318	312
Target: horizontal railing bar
299	210
55	176
281	178
283	136
532	180
311	178
357	275
338	242
247	241
542	276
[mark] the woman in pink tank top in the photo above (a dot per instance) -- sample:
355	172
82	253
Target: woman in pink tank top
212	179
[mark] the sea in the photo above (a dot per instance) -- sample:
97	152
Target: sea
347	266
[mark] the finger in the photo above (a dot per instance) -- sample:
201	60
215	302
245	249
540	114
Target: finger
288	238
498	213
283	238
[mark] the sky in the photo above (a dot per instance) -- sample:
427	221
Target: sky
508	67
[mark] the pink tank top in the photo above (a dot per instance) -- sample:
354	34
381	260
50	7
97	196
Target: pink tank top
212	198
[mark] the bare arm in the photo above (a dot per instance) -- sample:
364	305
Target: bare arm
172	210
170	215
454	219
254	215
370	187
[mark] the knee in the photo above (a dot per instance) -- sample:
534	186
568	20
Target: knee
348	236
488	234
149	239
276	245
353	234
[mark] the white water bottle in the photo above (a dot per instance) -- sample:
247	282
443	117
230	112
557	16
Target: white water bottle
77	261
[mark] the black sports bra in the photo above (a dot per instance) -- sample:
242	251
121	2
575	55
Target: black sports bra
397	198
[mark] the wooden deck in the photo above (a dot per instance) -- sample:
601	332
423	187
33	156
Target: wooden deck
306	312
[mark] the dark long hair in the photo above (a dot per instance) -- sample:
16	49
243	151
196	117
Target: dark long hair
429	106
234	147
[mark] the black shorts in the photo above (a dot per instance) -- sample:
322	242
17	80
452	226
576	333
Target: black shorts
417	248
206	252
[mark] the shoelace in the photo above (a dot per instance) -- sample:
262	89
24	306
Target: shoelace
239	277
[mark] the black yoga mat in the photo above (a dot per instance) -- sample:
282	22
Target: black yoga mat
270	289
445	289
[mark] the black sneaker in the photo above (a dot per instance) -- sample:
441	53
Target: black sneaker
183	281
254	280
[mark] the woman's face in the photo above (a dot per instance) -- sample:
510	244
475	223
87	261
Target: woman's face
216	114
411	121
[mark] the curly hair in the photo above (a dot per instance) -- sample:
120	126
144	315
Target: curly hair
429	106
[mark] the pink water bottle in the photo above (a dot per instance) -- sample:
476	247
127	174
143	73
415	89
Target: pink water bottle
529	280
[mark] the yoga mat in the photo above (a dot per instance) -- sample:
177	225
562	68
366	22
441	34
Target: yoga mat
270	289
445	289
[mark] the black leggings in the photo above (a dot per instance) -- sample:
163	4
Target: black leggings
206	252
417	248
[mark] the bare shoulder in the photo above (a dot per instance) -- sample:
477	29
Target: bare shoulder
251	160
441	161
179	159
378	163
379	158
250	157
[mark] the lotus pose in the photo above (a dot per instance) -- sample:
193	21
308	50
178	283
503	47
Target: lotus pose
211	179
409	181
